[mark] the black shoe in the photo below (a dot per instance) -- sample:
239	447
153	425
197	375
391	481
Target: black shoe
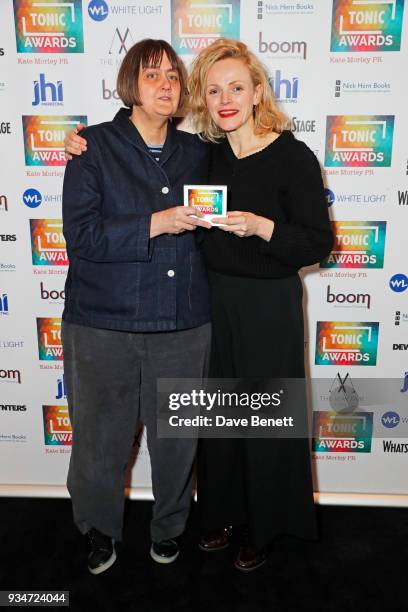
217	539
165	551
102	554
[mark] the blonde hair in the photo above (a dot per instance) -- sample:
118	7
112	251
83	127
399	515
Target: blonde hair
267	116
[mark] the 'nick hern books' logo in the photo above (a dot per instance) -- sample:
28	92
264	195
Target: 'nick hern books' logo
196	24
346	343
357	244
49	339
359	140
57	426
48	243
358	25
49	27
44	138
342	433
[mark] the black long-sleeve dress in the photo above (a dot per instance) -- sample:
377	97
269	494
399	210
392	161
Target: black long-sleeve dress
256	300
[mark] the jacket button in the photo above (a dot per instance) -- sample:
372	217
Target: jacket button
170	273
165	190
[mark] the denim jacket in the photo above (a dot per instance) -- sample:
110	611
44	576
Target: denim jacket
119	278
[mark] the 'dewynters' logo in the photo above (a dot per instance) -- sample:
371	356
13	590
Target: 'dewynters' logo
44	138
359	140
346	343
48	245
357	244
342	433
57	426
49	27
198	23
49	339
358	25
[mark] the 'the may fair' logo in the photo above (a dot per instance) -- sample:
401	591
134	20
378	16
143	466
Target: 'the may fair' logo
357	244
359	140
44	138
48	243
196	24
49	26
57	426
49	339
361	25
346	343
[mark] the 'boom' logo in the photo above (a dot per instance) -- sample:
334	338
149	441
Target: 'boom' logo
44	138
48	243
57	426
358	244
359	140
358	25
49	27
350	343
49	339
196	24
342	433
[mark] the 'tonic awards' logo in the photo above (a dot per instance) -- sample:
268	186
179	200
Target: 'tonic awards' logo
361	25
357	244
196	24
49	339
57	426
342	433
49	26
346	343
48	243
359	140
44	138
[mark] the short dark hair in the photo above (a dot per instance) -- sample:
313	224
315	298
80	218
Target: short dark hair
147	53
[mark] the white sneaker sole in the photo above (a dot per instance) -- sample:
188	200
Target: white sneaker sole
104	566
163	560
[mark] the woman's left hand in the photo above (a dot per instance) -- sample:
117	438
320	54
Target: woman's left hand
244	224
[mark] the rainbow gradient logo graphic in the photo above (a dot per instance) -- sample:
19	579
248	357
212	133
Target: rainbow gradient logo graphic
357	244
196	24
49	339
49	26
359	140
57	426
366	25
346	343
342	433
48	243
44	138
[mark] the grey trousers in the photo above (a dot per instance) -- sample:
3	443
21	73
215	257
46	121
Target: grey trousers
111	386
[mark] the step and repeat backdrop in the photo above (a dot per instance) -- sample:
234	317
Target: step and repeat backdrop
338	70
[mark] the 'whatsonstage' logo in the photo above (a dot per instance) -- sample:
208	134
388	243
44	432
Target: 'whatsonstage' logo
198	23
346	343
357	244
48	243
358	25
342	433
44	138
49	339
359	140
57	426
49	27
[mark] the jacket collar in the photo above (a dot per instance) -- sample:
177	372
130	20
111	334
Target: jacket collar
131	133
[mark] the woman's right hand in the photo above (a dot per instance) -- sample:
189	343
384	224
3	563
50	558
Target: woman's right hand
176	220
74	144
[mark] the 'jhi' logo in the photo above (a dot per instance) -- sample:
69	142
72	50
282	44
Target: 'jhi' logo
359	140
49	339
57	426
48	243
44	138
284	90
346	343
361	25
342	433
61	388
4	306
47	93
357	244
49	27
198	23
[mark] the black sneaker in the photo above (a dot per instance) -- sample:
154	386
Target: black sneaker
165	551
102	554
